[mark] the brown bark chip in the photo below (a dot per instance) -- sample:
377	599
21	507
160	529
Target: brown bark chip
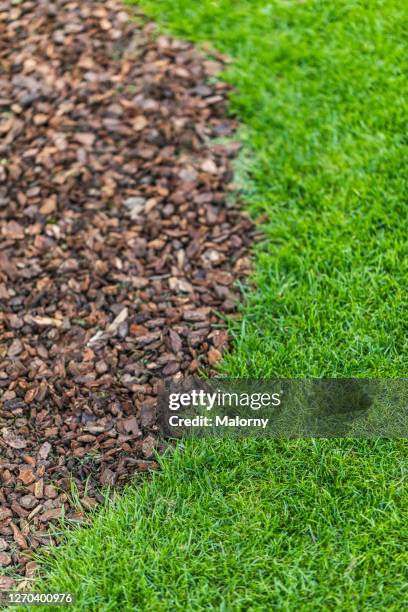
117	248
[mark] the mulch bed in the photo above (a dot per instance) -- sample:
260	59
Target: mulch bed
117	250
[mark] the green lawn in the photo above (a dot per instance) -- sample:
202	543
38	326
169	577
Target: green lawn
250	526
323	94
312	525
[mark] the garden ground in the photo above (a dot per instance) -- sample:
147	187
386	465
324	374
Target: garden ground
117	253
322	97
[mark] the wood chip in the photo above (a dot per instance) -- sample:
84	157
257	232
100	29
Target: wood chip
118	249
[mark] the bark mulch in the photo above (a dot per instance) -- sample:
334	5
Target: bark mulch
117	249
